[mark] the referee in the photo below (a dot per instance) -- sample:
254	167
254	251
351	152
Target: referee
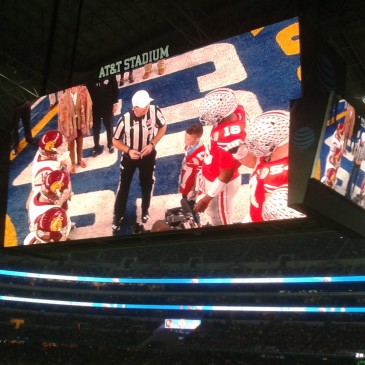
136	135
359	157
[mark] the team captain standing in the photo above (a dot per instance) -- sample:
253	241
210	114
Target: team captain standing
137	133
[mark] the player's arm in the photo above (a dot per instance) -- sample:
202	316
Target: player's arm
218	185
240	152
249	160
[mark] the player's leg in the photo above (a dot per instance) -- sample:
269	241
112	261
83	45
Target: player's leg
220	209
97	150
26	120
147	181
161	67
356	175
52	100
15	137
147	70
79	148
108	124
71	148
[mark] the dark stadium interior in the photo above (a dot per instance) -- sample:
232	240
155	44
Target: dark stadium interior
50	45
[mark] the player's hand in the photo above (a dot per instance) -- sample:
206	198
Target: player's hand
146	150
134	154
202	204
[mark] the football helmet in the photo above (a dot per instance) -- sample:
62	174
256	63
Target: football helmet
276	207
330	177
267	132
52	144
217	105
56	187
339	129
52	226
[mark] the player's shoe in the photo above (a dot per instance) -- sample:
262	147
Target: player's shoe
145	217
97	151
117	227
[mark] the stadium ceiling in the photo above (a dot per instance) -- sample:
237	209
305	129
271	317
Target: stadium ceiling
50	45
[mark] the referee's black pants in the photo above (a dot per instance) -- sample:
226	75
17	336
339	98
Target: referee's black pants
146	167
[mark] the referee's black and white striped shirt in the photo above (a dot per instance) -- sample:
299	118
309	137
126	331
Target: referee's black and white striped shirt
359	151
138	132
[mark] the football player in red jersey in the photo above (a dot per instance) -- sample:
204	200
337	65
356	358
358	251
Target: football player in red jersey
52	154
333	162
267	141
51	226
54	192
221	178
192	165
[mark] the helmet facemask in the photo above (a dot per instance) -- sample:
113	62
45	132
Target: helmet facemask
217	105
267	132
52	226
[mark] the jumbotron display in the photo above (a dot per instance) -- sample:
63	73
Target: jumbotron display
199	138
342	151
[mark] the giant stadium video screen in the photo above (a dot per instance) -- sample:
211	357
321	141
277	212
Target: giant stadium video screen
342	145
262	67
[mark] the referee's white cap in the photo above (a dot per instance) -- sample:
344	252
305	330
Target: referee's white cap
141	98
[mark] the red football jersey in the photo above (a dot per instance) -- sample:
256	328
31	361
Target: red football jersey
191	166
217	155
266	178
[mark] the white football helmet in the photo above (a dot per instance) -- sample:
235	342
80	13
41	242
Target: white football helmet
217	105
267	132
276	206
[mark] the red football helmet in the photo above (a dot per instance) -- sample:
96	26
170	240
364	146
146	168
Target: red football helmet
52	226
56	187
336	156
52	144
340	128
330	176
